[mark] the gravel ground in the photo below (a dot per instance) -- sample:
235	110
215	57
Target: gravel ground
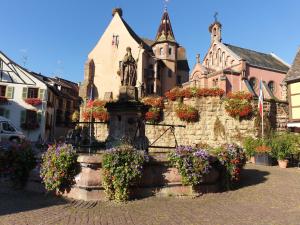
267	195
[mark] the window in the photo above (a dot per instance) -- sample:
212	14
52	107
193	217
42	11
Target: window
32	93
271	86
7	127
161	51
2	90
253	82
170	51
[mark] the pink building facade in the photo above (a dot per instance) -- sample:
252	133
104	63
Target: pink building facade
234	69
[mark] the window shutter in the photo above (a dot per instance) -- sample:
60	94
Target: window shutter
25	92
39	117
6	113
42	93
23	116
9	92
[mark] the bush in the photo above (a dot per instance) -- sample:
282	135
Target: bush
192	164
59	167
283	145
250	144
17	161
122	168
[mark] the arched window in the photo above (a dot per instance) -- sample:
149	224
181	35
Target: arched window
253	82
91	71
271	86
207	63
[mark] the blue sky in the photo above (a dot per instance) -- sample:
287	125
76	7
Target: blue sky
56	35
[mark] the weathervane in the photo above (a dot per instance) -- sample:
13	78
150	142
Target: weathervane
216	16
166	2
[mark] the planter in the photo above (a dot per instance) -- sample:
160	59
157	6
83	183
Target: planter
283	163
263	159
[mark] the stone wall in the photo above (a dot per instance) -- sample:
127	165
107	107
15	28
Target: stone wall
207	130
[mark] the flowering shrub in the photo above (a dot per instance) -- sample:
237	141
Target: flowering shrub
192	164
33	101
59	167
187	113
95	109
173	94
17	161
204	92
3	100
233	158
156	102
193	92
122	168
238	105
153	115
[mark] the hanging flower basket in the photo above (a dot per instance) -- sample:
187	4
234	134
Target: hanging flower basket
156	102
187	113
238	105
101	116
153	116
95	110
3	100
33	101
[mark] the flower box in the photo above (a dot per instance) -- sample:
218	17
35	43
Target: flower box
263	159
33	101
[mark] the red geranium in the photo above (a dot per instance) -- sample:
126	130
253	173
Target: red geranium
154	102
173	94
187	113
153	116
33	101
101	116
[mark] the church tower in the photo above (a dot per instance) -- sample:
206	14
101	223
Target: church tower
215	30
165	50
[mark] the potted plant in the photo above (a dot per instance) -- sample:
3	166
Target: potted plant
250	144
283	145
263	155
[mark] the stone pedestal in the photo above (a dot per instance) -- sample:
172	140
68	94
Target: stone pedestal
128	93
126	121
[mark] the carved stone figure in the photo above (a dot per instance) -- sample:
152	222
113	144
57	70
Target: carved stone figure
129	69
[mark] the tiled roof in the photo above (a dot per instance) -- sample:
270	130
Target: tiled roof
165	31
294	72
259	59
148	41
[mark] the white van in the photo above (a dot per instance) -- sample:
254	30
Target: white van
8	132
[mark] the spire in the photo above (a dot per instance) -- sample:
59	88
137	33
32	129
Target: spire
216	30
165	31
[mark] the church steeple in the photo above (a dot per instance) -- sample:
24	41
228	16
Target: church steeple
165	31
215	30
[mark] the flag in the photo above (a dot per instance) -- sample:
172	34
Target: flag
261	98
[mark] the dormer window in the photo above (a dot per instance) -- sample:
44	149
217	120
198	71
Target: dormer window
32	93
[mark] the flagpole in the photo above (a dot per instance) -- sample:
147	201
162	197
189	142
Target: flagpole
262	111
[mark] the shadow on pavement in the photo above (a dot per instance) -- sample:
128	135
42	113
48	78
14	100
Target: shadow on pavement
20	201
251	177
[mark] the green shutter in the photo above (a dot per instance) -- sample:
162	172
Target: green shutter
6	113
23	116
25	92
9	92
39	117
42	94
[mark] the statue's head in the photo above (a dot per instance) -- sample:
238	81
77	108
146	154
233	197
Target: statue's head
128	50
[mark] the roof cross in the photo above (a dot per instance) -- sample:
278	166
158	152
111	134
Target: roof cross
216	16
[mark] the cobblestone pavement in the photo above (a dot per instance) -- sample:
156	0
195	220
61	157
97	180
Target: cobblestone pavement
268	195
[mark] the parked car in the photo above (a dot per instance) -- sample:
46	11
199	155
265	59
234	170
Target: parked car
8	132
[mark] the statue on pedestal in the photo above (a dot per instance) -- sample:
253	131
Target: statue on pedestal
129	69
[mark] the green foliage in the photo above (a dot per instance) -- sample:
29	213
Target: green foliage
284	145
122	168
250	144
192	164
59	167
17	161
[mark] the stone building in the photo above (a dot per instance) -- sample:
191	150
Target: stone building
233	68
293	82
161	63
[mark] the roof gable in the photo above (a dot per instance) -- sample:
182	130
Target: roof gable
294	72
